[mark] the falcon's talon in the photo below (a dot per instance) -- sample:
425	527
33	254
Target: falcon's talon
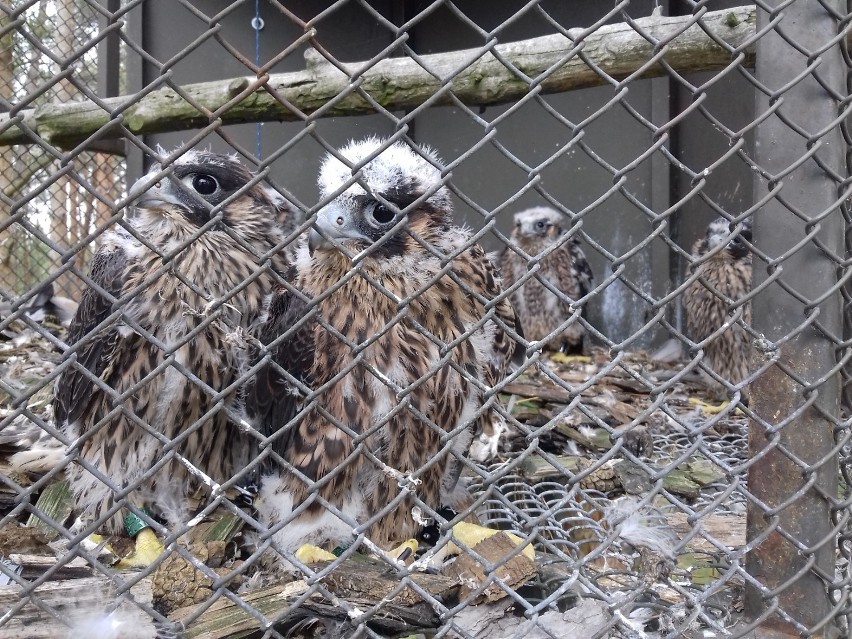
711	409
98	546
563	358
405	551
148	548
310	554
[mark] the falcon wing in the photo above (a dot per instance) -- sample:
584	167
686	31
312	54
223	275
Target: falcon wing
477	271
506	350
509	261
272	399
94	351
581	268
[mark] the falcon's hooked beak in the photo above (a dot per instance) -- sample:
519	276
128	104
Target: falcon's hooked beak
157	196
335	223
737	246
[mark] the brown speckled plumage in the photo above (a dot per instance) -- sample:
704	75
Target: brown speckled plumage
539	310
723	261
169	301
394	415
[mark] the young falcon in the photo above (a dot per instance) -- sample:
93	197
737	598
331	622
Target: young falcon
539	310
722	267
155	339
407	340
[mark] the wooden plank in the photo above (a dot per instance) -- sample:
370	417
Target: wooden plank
536	468
360	581
36	565
76	608
729	530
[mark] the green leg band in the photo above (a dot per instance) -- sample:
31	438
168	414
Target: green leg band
133	523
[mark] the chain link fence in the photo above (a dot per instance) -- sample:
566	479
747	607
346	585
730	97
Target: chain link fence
32	76
236	405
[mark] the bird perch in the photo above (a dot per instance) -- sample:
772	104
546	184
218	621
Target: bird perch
609	54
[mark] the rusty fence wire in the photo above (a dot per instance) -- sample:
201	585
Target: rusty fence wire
376	319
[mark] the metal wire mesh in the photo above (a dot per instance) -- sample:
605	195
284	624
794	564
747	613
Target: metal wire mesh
670	455
52	204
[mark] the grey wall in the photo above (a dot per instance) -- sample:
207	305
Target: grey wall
576	178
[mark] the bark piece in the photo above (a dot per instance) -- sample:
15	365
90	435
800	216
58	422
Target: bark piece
589	618
496	549
369	581
33	566
339	617
23	540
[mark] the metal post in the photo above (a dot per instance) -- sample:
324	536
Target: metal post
136	79
792	598
109	66
109	72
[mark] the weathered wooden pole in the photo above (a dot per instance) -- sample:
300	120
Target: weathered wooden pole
547	64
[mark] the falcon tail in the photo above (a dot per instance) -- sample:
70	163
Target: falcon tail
32	449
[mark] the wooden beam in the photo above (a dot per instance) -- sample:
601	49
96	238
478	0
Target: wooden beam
477	77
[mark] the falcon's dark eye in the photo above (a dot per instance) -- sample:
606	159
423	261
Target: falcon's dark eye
541	225
381	214
205	184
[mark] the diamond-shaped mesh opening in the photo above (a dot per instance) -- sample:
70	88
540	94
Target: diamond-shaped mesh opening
447	319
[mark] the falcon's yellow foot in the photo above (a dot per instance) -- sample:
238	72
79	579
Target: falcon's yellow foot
99	546
710	409
310	554
472	534
147	549
96	539
405	551
562	358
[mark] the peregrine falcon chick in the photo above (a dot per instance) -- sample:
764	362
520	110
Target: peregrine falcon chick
401	354
722	270
152	345
541	311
